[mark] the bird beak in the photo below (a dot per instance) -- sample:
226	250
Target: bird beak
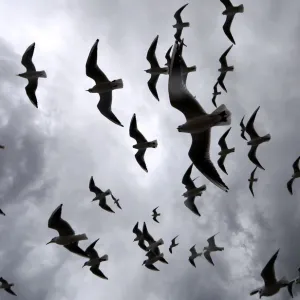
86	90
83	266
49	242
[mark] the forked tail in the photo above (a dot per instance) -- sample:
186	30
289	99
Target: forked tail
118	83
240	8
225	115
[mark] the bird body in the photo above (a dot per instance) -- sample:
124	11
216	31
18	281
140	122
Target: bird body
259	140
33	75
102	195
96	261
155	214
225	69
194	192
181	25
232	10
6	285
68	239
157	71
152	246
145	145
104	87
154	259
221	116
194	254
225	152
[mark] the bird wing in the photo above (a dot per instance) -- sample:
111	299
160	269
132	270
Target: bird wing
152	267
193	250
148	237
252	173
74	248
173	240
214	100
251	188
250	126
136	229
170	248
177	14
105	206
151	56
211	241
27	58
222	59
1	212
290	186
296	165
57	223
191	260
91	67
10	291
154	210
177	34
222	140
95	270
104	106
152	85
226	28
142	245
243	129
168	57
155	219
253	158
190	204
30	91
215	87
268	273
221	161
134	132
93	188
221	81
187	180
254	292
2	280
226	3
208	257
90	251
139	156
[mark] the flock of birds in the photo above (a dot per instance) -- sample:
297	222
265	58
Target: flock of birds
198	124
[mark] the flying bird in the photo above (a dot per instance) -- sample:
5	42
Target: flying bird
230	12
224	69
211	248
141	143
155	214
215	94
139	237
184	101
103	87
192	191
271	284
294	176
243	129
2	147
7	286
116	201
173	244
179	24
67	236
95	260
31	74
152	258
194	254
155	70
255	140
251	181
224	151
100	195
291	283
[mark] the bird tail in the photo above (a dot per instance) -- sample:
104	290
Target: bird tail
192	69
104	257
240	8
160	242
117	84
160	255
82	237
42	74
225	115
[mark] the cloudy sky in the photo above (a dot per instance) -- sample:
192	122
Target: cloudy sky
52	152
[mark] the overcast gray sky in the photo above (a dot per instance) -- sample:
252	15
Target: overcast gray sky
52	152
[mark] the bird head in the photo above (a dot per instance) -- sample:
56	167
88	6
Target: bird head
144	262
52	241
136	239
85	264
89	90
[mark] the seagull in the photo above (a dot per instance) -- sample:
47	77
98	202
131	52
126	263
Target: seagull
224	151
173	244
67	236
152	258
183	100
215	94
141	143
95	260
103	87
156	252
1	212
294	176
256	140
116	201
139	237
290	285
193	255
192	192
252	180
2	147
271	284
100	195
155	70
179	24
153	245
211	248
243	129
7	286
224	68
31	74
155	214
230	12
185	70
